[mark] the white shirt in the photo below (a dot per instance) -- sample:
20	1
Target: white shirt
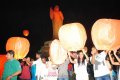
119	74
100	66
38	63
81	71
44	71
52	71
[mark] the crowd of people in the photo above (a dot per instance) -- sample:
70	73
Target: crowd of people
101	65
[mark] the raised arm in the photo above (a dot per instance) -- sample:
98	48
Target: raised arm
93	58
51	13
84	52
118	59
111	59
72	61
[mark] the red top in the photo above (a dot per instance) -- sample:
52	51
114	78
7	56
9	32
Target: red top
25	72
70	66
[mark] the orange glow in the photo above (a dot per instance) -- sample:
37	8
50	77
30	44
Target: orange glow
57	20
3	59
106	34
72	36
19	45
57	53
25	32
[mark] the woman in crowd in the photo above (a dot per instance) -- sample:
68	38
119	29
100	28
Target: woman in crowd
26	64
80	65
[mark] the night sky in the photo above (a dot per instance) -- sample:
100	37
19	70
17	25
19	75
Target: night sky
17	15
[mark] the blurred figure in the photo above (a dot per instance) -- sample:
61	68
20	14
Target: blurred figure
38	63
52	70
57	20
26	65
44	69
12	67
62	70
89	65
70	71
117	63
33	70
113	70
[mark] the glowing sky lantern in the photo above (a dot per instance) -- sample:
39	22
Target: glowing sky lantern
25	32
72	36
57	53
19	45
106	34
3	59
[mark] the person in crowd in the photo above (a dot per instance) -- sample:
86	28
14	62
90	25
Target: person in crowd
57	20
100	65
113	71
80	66
52	70
33	70
38	63
44	68
62	70
115	63
70	70
12	67
26	65
89	65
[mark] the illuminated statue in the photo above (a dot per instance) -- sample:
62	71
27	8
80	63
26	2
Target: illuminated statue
57	20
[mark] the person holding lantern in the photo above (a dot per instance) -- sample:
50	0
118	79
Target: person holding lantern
115	63
38	63
12	67
57	20
100	65
26	65
80	65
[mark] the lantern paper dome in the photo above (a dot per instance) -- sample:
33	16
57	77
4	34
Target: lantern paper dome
19	45
25	32
72	36
57	53
106	34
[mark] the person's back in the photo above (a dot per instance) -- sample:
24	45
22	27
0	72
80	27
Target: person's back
33	71
63	70
11	66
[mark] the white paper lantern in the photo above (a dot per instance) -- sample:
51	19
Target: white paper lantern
57	53
106	34
72	36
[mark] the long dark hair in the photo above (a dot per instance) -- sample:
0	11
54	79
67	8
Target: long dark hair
25	63
79	60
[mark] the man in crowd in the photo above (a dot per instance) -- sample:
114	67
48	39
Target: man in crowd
12	67
38	63
101	68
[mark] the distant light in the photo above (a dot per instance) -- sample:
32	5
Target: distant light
25	32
